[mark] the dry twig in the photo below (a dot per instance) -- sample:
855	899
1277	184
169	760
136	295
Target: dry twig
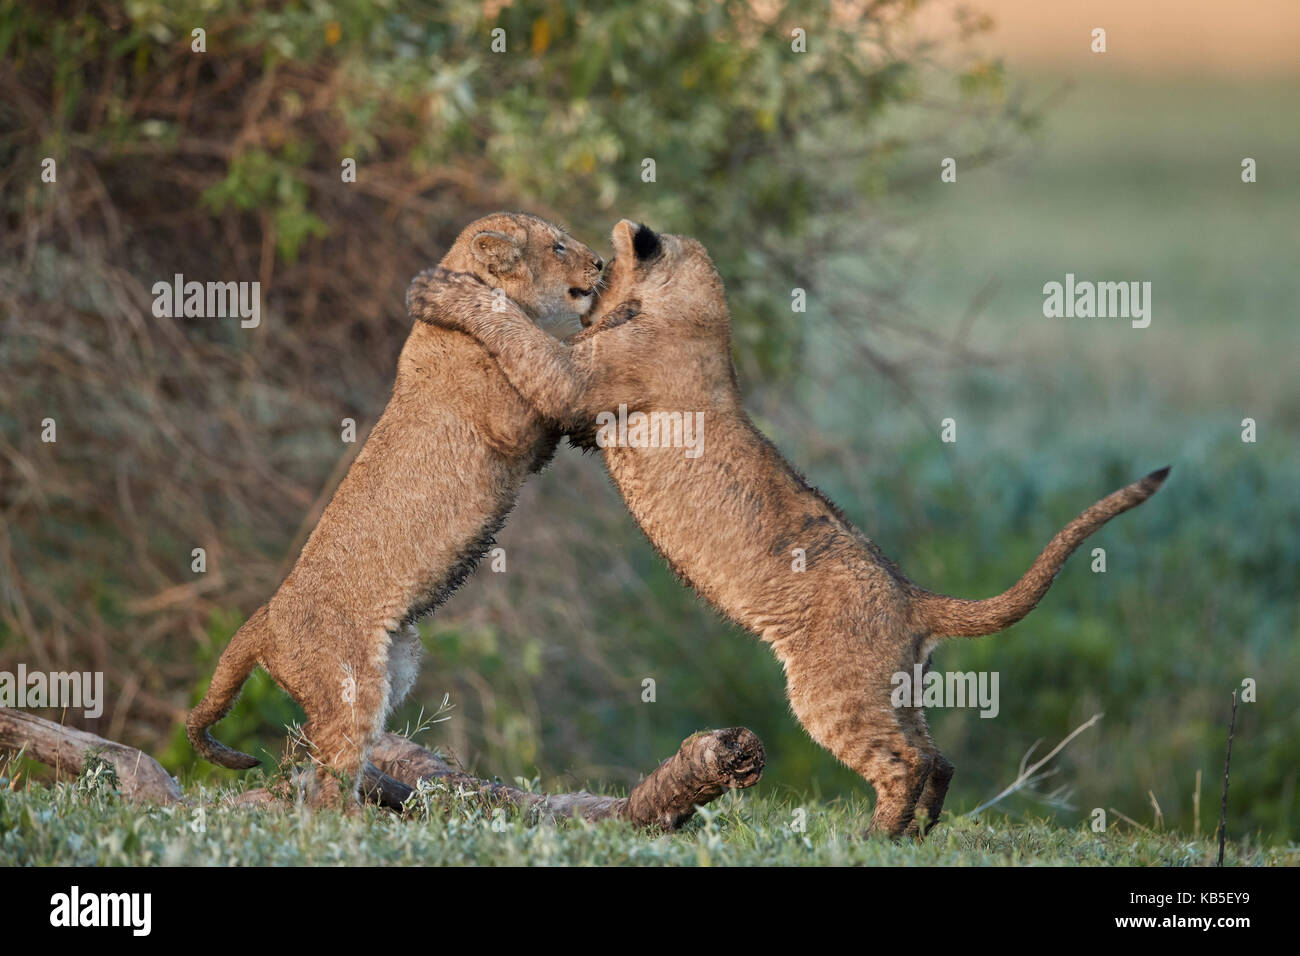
1027	774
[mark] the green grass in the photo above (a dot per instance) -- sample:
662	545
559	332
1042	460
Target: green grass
80	825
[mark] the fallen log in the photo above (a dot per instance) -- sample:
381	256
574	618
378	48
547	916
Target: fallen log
141	778
705	766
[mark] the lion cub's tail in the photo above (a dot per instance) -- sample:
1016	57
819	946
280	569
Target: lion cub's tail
945	616
236	663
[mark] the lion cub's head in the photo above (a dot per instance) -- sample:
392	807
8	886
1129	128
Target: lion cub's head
671	276
544	270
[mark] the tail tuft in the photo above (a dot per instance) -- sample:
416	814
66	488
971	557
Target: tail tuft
214	751
1158	477
236	663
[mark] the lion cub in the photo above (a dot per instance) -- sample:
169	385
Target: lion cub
728	519
418	508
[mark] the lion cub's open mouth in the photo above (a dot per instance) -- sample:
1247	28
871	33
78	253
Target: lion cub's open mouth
583	299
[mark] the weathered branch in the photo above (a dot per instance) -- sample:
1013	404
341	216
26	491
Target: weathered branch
141	777
705	766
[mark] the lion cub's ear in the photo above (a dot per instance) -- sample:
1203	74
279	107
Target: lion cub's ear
636	240
496	251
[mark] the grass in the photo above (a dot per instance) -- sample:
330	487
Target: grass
80	824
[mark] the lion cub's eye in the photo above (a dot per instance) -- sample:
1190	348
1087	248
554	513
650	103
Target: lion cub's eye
558	249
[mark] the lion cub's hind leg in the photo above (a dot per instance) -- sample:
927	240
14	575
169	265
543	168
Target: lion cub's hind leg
897	770
841	689
935	792
345	694
930	804
863	730
878	745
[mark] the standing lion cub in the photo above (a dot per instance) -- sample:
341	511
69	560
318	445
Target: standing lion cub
418	508
728	520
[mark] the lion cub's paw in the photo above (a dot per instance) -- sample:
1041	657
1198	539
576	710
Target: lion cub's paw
437	296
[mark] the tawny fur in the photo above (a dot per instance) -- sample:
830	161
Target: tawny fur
420	505
728	520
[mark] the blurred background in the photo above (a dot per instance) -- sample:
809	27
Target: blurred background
817	170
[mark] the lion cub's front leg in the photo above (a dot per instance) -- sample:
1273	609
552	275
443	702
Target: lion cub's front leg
563	382
540	367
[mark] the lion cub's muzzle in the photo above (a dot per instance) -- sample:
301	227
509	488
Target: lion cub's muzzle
583	297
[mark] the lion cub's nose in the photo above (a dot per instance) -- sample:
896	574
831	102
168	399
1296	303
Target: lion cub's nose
599	263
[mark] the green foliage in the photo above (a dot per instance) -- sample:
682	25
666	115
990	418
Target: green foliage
760	152
259	181
98	779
